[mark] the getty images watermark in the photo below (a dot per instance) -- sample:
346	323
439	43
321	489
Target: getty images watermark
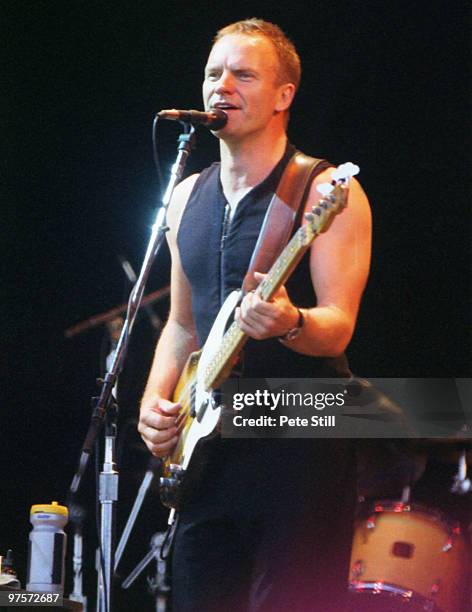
347	408
286	399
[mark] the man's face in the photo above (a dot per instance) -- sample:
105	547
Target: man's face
241	77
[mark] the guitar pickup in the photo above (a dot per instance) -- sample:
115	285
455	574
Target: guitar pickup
200	413
176	470
209	402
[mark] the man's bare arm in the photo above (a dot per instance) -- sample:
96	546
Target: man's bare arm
339	265
177	341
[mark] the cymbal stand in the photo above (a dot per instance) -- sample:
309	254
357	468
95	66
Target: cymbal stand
159	586
110	474
154	465
462	484
77	592
77	516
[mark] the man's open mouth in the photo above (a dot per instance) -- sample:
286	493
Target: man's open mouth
225	106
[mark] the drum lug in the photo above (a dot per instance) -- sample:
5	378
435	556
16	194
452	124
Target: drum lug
370	523
454	532
358	568
447	546
435	587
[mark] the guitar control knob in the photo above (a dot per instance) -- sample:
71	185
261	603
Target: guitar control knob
176	470
170	487
167	483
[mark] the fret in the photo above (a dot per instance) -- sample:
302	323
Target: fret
234	338
286	263
232	342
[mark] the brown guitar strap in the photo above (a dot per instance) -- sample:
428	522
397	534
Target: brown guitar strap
286	204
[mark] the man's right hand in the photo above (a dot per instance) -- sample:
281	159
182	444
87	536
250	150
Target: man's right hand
157	425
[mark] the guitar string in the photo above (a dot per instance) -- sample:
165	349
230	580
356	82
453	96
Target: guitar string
267	285
186	396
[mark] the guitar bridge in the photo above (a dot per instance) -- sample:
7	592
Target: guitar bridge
171	486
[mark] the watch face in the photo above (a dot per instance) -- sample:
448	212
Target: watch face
293	333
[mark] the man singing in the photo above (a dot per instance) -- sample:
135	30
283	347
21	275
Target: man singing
271	526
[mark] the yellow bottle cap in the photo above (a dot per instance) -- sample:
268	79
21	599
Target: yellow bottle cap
52	508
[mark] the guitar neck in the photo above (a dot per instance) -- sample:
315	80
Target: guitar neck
318	221
222	362
234	339
286	263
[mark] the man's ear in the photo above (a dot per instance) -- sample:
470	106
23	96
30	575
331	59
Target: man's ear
285	95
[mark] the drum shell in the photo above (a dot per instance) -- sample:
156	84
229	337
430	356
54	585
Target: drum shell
413	548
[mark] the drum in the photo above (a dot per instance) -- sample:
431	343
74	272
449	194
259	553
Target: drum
408	553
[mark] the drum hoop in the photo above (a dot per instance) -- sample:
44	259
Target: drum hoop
399	507
394	590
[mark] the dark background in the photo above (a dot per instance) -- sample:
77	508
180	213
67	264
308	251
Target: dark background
385	85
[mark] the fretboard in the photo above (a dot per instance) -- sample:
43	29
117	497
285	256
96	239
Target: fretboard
234	339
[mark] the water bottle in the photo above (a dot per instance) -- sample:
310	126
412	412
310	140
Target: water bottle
47	548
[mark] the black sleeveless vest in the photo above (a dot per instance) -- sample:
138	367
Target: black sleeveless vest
215	256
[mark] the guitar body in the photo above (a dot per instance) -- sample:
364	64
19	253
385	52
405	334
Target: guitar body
199	414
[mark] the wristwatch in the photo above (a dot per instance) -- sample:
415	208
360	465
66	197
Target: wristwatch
295	331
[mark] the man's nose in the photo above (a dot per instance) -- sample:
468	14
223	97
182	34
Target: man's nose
225	83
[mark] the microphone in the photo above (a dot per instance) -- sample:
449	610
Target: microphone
214	119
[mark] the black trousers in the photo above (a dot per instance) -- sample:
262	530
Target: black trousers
269	544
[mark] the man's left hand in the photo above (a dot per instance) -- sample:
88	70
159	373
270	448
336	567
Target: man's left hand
261	320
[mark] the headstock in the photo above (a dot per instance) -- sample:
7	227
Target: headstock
334	198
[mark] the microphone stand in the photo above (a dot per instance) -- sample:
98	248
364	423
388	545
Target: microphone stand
153	466
77	592
109	490
77	517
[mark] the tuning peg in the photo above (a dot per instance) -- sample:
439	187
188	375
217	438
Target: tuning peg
345	171
325	188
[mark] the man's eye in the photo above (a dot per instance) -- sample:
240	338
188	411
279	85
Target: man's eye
212	75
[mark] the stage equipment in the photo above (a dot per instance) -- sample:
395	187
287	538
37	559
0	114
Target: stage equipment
159	586
109	315
154	319
215	119
411	555
105	406
153	467
462	484
8	575
77	516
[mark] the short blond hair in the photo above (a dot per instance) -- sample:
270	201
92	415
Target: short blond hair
289	60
